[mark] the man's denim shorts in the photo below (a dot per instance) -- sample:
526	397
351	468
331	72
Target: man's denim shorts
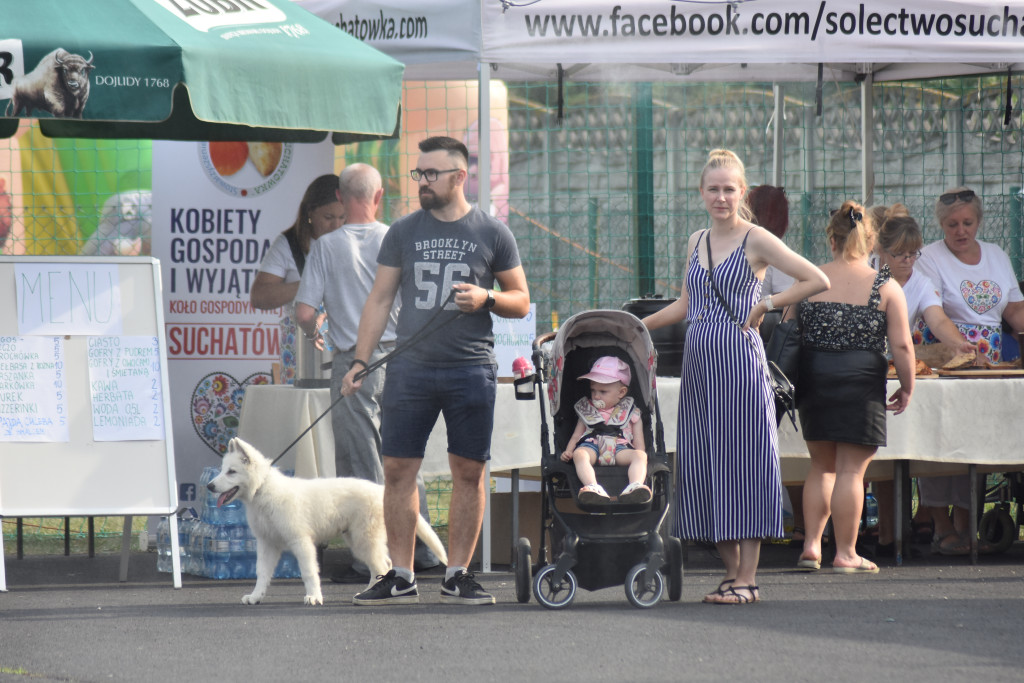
414	394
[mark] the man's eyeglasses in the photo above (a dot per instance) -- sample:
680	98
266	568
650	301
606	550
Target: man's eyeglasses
951	197
906	256
429	173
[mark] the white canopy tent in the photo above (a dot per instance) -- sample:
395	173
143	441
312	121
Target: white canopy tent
690	41
777	41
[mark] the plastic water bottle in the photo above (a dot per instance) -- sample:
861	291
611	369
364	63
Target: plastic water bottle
242	564
197	545
218	562
204	493
870	511
287	566
210	513
163	546
185	525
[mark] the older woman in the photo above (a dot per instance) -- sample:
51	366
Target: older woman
841	397
975	279
979	289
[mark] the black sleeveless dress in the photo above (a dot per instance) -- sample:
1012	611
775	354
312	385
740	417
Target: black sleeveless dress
841	394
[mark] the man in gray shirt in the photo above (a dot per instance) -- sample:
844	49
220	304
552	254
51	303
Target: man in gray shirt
444	261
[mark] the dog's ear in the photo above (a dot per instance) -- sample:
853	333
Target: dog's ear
245	458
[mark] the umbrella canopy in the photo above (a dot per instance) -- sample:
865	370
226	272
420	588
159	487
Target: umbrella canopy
191	70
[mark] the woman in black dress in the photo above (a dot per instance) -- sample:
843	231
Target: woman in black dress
841	398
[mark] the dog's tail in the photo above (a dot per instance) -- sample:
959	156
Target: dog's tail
427	534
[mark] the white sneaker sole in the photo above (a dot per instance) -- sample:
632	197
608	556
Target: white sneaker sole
458	600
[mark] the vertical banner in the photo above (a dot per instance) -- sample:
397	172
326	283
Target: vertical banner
216	209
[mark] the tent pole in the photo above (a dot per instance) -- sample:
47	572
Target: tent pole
484	139
779	133
867	136
643	131
483	175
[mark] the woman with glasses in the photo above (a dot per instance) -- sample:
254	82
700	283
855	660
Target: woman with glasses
841	397
975	279
978	289
898	248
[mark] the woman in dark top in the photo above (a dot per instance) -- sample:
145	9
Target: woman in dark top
841	398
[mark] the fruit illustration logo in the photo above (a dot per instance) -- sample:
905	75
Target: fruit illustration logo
245	169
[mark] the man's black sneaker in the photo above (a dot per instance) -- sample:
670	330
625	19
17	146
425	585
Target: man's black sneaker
391	589
463	589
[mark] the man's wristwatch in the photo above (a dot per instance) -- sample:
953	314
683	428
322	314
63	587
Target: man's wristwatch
489	304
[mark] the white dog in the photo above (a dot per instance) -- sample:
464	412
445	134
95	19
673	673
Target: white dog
287	513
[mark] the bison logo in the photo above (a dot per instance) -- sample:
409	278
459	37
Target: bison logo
59	85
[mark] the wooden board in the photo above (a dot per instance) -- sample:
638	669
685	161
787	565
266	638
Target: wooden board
981	372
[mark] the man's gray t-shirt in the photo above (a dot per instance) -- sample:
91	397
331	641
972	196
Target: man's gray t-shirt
433	255
339	271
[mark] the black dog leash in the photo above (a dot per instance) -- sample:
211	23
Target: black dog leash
428	329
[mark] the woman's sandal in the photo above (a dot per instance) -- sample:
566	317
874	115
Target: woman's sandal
713	596
951	544
923	532
732	597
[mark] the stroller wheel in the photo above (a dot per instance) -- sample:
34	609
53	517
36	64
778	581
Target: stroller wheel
643	590
524	572
551	595
998	528
674	547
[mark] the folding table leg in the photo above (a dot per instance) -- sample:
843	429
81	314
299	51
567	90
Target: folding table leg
972	523
126	546
899	468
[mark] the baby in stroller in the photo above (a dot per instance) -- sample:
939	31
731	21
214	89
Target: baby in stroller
609	431
597	545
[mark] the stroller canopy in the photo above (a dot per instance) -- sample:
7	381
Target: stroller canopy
605	328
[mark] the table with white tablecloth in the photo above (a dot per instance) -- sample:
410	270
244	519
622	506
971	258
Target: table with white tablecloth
952	426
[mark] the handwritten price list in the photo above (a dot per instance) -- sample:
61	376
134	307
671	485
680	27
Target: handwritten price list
33	394
126	390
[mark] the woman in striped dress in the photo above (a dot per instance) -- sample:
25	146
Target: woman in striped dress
728	462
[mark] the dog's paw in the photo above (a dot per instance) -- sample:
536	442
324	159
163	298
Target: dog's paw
313	600
251	599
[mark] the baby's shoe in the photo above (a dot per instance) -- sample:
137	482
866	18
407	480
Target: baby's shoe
593	494
636	492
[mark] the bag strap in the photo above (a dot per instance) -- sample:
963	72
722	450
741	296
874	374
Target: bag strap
711	279
725	304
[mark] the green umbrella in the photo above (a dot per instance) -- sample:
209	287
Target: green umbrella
191	70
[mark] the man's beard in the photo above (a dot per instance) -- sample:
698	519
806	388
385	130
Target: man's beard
431	200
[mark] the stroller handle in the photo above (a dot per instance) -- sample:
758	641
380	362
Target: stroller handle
538	355
543	339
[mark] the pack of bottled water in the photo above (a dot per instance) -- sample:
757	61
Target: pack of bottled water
219	544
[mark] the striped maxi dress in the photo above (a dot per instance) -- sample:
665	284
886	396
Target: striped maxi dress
727	449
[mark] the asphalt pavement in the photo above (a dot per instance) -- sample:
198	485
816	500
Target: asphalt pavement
933	619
